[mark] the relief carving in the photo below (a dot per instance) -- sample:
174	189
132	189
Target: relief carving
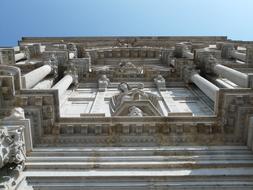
12	155
17	113
135	111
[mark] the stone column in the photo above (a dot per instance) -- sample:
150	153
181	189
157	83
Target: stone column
236	77
228	51
45	84
191	75
32	78
182	50
188	54
237	55
207	87
69	78
24	54
20	56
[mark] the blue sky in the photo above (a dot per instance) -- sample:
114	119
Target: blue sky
232	18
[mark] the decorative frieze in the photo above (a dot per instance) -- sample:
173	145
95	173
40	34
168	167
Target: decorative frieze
12	145
12	149
235	108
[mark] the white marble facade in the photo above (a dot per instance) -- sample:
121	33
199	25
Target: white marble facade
91	100
126	113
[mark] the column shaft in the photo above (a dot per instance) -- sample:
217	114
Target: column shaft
207	87
19	56
63	84
187	54
237	55
45	84
32	78
236	77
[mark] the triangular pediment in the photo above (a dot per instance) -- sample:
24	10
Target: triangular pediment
146	106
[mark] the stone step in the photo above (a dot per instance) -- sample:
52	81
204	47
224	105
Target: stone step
142	151
138	158
211	178
137	165
199	167
238	171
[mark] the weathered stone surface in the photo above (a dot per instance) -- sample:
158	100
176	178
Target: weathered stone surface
126	112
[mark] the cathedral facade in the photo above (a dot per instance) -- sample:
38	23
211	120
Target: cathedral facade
126	113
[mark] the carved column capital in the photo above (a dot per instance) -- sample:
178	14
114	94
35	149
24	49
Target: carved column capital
188	72
209	63
226	50
72	71
182	50
53	63
27	52
72	50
